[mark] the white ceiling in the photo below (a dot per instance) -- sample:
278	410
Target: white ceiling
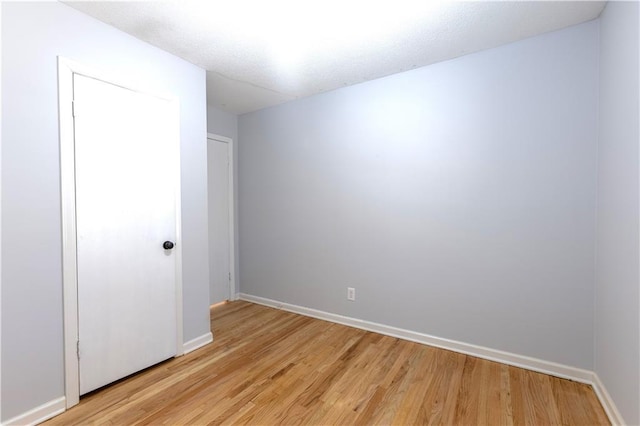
263	53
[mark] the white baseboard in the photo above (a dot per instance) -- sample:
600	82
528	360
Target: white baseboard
39	414
607	403
197	343
57	406
529	363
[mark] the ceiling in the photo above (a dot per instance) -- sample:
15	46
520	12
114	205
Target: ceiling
263	53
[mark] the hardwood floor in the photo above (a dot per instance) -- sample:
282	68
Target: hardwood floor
268	366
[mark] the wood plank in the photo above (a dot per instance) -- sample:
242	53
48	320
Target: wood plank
267	366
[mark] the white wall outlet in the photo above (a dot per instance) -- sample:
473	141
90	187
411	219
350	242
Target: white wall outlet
351	293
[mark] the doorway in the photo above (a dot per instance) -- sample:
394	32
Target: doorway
221	240
121	229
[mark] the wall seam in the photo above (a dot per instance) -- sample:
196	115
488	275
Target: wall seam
597	207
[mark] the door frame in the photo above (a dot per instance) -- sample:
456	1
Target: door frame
66	69
232	245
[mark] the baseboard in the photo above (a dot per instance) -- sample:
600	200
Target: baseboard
607	403
197	343
529	363
57	406
39	414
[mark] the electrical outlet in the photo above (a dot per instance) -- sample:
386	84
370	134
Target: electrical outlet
351	293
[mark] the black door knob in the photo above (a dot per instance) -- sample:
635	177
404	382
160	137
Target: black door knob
168	245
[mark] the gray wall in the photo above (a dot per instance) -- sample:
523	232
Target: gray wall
458	199
226	124
222	123
33	34
617	310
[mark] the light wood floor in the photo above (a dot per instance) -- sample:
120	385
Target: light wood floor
272	367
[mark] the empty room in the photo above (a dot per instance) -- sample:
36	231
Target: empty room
337	212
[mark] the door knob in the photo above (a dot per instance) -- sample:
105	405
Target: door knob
168	245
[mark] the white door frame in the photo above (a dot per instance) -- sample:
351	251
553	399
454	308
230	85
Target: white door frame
66	70
232	244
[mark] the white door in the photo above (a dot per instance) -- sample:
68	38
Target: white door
126	146
219	242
